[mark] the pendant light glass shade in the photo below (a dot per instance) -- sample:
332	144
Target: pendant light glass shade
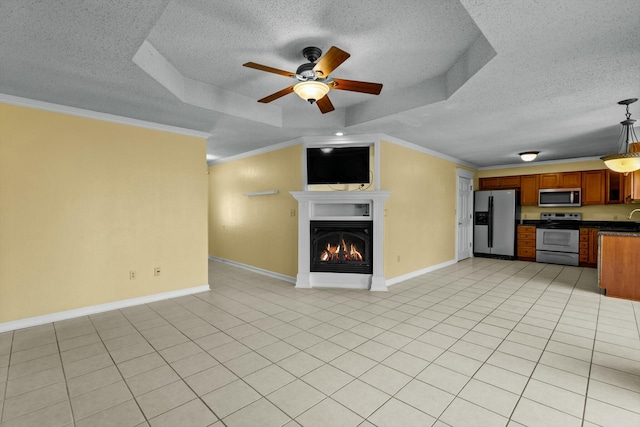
629	159
623	162
311	90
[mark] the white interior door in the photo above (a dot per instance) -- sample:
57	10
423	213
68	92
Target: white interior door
464	214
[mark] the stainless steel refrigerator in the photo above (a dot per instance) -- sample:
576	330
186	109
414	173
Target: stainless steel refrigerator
494	223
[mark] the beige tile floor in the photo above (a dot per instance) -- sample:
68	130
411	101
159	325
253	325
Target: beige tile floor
481	343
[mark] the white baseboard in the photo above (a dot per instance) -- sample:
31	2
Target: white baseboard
255	269
94	309
389	282
417	273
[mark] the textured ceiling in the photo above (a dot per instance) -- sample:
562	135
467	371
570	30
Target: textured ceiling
476	80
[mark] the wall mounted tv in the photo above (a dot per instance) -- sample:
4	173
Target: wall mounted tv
338	165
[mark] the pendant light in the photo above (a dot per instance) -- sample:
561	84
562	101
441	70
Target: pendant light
629	159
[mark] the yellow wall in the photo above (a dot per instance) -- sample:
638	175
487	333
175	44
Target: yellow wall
420	221
260	230
589	213
420	215
84	201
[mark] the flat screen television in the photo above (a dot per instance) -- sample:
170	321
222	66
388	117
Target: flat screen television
338	165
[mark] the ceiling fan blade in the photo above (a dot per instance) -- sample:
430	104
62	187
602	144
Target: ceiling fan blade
268	69
324	104
356	86
330	61
276	95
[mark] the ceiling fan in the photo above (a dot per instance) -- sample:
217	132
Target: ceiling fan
313	78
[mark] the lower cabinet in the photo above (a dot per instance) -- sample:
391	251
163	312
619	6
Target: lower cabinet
619	267
527	242
589	247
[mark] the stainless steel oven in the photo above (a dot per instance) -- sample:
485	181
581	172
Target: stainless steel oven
558	238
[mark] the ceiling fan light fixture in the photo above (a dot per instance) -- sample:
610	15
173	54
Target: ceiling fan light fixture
629	159
311	91
529	156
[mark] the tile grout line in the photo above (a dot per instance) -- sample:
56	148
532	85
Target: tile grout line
593	348
169	364
64	374
542	353
4	395
496	348
116	366
328	363
495	285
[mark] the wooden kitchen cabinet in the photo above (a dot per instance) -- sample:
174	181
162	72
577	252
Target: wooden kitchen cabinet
613	187
631	186
499	182
561	180
593	187
588	254
619	268
526	242
529	185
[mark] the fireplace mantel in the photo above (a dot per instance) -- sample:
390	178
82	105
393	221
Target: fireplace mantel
344	206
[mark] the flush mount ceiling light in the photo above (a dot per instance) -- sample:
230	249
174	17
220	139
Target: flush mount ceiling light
311	90
338	133
529	156
627	159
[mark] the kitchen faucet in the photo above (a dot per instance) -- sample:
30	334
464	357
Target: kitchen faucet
632	212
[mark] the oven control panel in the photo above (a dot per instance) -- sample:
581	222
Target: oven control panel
560	216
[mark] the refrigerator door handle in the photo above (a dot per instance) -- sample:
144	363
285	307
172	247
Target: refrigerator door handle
490	233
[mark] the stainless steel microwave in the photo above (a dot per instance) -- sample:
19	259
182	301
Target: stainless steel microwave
558	197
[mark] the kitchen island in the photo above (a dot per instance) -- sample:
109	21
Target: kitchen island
619	264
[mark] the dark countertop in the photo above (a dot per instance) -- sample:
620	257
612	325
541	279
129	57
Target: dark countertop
620	233
615	226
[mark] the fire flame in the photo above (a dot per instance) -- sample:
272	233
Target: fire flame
331	253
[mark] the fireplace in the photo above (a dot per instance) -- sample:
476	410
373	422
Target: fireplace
329	217
341	246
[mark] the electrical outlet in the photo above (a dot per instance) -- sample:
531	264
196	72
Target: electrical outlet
615	217
293	212
132	275
398	258
156	271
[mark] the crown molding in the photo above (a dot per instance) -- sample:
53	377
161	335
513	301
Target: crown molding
105	117
424	150
546	162
368	139
252	153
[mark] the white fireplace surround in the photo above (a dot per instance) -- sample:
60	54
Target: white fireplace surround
340	206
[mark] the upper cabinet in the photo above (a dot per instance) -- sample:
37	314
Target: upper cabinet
499	182
631	187
593	187
613	187
561	180
631	182
599	187
529	185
